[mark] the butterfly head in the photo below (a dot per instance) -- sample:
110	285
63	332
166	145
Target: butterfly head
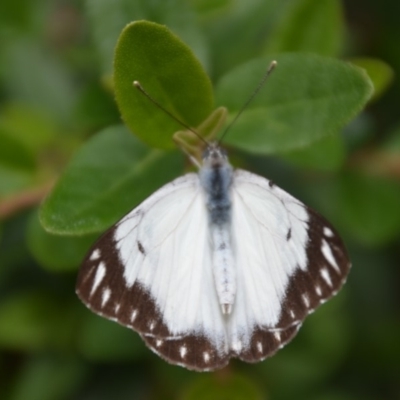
214	156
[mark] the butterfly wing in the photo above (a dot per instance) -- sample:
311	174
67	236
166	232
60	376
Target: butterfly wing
152	272
289	260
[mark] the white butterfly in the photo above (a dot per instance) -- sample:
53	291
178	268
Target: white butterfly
214	265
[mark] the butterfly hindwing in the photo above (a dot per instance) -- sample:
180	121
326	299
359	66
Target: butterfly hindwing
194	351
265	343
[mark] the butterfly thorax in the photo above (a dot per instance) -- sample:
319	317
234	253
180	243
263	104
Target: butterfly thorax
216	175
216	180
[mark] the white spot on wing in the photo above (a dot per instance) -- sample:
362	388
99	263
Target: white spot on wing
318	290
292	314
105	296
259	347
117	307
325	276
327	232
206	357
327	252
277	335
306	300
133	315
237	345
152	325
182	351
159	342
95	255
100	274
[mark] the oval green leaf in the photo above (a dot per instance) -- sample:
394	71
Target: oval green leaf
169	72
307	98
107	178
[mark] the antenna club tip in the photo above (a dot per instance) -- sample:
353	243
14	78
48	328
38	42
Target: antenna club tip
136	84
272	66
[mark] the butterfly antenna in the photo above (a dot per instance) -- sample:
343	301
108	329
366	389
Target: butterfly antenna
254	94
156	103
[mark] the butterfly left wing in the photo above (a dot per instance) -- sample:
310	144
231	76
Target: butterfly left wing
152	272
289	260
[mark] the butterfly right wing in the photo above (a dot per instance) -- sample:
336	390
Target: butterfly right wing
289	260
152	272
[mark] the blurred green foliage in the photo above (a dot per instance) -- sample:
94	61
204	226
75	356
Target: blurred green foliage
60	125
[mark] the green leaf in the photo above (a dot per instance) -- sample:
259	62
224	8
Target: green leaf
107	178
309	26
368	207
109	18
307	98
327	154
102	340
54	252
231	387
169	72
13	154
380	73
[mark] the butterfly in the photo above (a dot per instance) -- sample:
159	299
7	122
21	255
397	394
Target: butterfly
215	265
